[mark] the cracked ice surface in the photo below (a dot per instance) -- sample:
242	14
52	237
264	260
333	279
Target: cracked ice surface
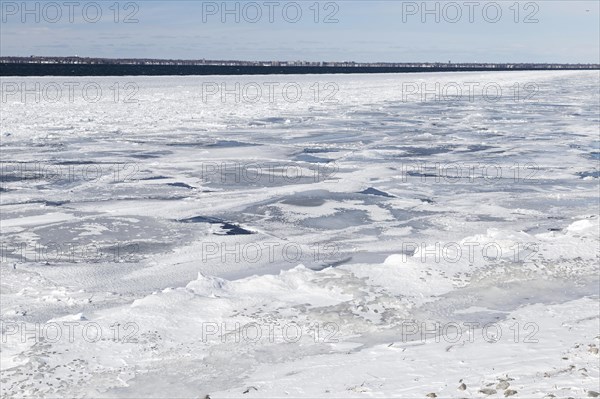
349	228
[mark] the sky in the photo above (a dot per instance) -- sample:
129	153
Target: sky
346	30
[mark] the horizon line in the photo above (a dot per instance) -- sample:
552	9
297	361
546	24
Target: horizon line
205	61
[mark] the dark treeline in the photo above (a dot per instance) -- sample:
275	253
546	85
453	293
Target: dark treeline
75	66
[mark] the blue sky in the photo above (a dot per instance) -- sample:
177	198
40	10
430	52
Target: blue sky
370	30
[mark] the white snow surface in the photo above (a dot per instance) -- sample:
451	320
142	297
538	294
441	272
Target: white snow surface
361	275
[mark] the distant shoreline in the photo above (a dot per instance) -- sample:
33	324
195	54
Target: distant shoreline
33	70
75	66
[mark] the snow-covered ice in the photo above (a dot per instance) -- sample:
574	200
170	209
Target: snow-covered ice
371	246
